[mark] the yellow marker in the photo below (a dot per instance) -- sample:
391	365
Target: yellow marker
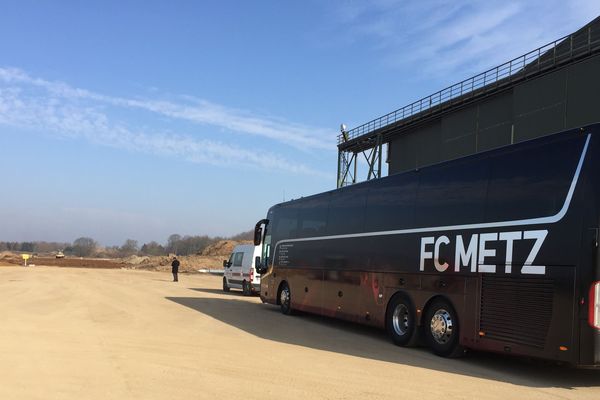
25	258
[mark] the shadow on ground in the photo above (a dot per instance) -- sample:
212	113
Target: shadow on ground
232	292
327	334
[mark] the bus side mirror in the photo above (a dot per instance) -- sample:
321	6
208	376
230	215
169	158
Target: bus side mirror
259	266
257	235
258	231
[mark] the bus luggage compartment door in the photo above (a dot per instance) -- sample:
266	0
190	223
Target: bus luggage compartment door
341	294
306	289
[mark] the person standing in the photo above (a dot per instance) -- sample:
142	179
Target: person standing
175	268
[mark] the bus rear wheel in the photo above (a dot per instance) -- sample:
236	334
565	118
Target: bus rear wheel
442	329
400	321
285	299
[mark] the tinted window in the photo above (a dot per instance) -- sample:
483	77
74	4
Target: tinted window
237	259
312	215
452	193
285	222
391	202
347	210
532	181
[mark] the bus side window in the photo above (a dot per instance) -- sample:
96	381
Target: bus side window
529	183
391	203
452	194
286	223
313	217
347	211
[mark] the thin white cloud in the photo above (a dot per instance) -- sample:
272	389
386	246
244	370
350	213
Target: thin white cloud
56	108
442	38
195	110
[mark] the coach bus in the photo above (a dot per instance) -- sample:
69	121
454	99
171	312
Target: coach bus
497	251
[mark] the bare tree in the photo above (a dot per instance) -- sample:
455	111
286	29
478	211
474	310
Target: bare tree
129	248
173	243
84	246
153	249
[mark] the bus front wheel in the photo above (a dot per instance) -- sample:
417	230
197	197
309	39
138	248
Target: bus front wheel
442	329
400	321
285	299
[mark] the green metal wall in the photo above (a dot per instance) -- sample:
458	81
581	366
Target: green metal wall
560	100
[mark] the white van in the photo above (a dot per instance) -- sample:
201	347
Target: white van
239	271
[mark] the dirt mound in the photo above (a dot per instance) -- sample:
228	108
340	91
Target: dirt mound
136	260
6	257
222	248
77	262
163	263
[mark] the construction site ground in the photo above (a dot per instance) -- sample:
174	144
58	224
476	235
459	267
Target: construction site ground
79	333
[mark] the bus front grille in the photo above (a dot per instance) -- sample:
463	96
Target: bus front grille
516	310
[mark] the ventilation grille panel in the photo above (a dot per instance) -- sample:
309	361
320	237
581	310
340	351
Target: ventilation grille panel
516	310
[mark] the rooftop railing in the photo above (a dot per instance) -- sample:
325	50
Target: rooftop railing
546	57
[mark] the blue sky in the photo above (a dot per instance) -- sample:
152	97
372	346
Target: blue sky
140	119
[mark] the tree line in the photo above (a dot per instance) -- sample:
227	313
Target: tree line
86	246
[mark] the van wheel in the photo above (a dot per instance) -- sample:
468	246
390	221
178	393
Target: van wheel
442	330
285	299
246	289
400	321
225	287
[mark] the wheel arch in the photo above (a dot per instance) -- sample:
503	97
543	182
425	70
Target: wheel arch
400	293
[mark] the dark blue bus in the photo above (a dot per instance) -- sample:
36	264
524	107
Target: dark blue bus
497	251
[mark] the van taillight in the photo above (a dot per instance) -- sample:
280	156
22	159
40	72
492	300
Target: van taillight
251	274
594	316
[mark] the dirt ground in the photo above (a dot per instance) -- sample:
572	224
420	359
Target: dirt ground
75	333
191	263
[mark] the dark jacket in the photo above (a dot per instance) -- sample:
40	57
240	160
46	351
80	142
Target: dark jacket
175	265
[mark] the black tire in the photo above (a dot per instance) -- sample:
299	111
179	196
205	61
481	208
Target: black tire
442	329
285	299
225	287
246	289
400	321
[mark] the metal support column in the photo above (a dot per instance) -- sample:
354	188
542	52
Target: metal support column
348	168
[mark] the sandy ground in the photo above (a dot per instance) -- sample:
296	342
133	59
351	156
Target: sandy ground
121	334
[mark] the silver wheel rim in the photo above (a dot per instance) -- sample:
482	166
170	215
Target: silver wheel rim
284	297
441	326
400	319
